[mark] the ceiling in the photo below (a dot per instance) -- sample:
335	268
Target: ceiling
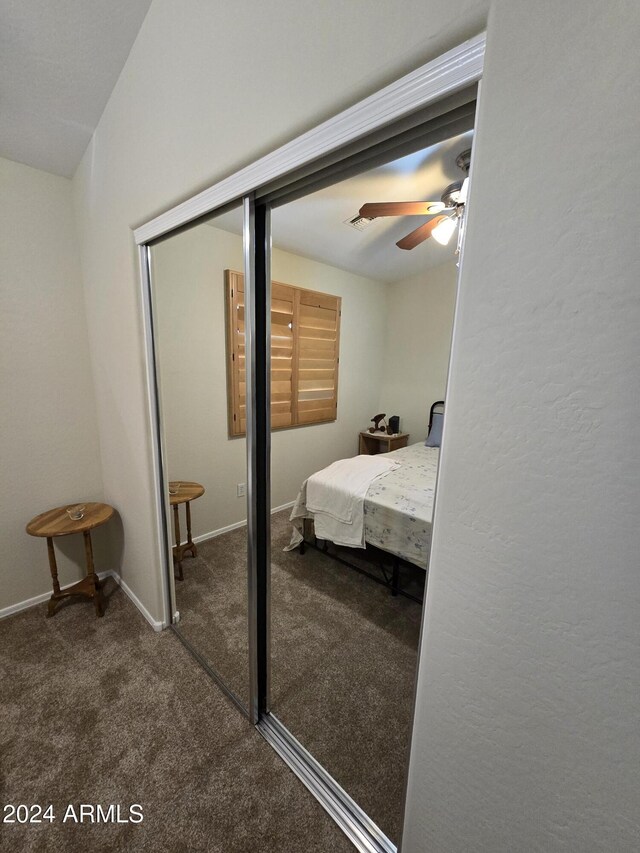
314	226
59	62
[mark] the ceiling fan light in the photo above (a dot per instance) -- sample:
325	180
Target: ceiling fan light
443	231
464	191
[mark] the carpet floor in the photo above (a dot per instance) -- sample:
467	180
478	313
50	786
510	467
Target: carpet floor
344	656
105	711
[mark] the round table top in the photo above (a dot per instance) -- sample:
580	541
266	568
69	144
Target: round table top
56	522
186	492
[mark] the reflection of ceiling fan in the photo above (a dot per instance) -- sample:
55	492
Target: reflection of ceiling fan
440	227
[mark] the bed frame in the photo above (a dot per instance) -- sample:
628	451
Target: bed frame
389	575
438	407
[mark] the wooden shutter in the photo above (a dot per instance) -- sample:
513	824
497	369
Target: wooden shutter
305	335
318	335
282	352
236	373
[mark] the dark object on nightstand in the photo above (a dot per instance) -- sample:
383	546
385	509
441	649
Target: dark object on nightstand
376	421
394	425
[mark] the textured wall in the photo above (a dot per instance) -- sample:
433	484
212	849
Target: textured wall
48	424
526	733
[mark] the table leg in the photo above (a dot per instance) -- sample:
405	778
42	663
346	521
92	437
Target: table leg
177	553
91	574
54	576
191	545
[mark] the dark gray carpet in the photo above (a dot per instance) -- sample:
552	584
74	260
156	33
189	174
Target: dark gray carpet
344	655
106	711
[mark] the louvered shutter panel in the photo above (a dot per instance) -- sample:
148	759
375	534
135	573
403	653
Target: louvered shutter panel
317	328
282	347
305	335
236	373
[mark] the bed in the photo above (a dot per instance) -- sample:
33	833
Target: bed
398	505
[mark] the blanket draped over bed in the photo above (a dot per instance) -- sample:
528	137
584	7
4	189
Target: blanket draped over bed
397	504
336	495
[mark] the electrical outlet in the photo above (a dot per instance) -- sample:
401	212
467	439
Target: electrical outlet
241	489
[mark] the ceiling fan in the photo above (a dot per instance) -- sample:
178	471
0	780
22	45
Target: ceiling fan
441	227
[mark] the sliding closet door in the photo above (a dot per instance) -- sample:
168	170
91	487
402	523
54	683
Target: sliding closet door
360	328
257	284
272	363
201	345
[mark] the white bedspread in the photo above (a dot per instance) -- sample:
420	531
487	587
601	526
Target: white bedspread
336	496
397	507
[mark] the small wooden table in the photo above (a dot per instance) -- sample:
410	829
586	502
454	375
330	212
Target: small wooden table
56	522
186	493
380	442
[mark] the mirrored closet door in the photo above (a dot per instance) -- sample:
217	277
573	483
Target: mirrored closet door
301	344
198	307
360	339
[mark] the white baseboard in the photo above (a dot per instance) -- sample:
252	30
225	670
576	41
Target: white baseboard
213	533
157	626
38	599
45	596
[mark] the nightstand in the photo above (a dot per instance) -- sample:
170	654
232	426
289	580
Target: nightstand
379	442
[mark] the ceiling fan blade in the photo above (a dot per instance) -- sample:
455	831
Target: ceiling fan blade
420	234
401	208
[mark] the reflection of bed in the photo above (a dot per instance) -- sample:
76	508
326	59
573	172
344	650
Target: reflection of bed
397	506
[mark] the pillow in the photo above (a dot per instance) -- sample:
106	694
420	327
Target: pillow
435	433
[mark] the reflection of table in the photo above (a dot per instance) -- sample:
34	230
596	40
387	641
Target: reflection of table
56	522
186	493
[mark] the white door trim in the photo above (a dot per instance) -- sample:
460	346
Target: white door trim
454	70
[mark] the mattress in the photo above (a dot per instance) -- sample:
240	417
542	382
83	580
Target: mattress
398	508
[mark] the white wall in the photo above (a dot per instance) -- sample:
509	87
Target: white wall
417	345
526	731
529	667
297	453
188	276
48	420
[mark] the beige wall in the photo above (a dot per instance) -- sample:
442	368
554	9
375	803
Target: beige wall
48	426
417	345
526	728
188	275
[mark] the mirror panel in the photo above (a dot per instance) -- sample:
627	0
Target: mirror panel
205	462
370	336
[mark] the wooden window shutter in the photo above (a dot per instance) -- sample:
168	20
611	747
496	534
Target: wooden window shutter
282	355
305	336
236	373
318	337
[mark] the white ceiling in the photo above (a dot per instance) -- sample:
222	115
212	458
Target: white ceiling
59	62
314	225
